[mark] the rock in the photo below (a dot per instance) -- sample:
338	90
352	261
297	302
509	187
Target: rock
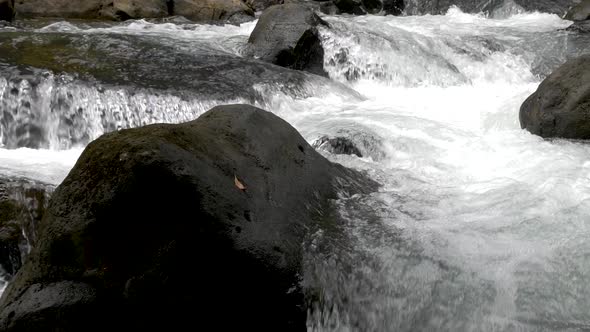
561	105
22	205
200	223
6	10
352	142
287	35
580	12
559	7
133	9
234	11
328	7
87	9
361	7
259	5
393	7
350	6
337	145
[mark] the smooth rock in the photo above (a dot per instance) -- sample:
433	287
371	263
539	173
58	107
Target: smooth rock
172	226
561	105
287	35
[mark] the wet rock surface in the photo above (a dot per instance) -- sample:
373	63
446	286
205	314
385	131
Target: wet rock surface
157	225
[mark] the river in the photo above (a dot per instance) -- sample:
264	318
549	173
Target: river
478	225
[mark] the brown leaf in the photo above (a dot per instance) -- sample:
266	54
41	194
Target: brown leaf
239	184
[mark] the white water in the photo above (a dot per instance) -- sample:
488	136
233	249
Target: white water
479	225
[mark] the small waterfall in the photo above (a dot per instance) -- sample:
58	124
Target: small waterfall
58	112
465	49
22	204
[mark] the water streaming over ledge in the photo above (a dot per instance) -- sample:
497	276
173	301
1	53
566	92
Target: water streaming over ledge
479	226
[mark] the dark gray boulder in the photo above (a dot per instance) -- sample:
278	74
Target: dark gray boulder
580	12
6	10
133	9
561	105
173	226
234	11
287	35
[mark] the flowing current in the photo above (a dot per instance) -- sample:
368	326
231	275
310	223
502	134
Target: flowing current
478	225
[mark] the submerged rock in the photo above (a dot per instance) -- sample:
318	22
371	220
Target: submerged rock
337	145
132	9
287	35
561	105
580	12
169	226
6	10
580	26
213	10
352	142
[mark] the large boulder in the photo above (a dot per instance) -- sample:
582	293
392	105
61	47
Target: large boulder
6	10
580	12
561	105
129	9
174	226
287	35
88	9
234	11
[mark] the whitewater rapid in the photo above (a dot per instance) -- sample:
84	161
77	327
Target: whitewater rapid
478	225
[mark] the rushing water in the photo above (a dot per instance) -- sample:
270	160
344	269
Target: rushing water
478	225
